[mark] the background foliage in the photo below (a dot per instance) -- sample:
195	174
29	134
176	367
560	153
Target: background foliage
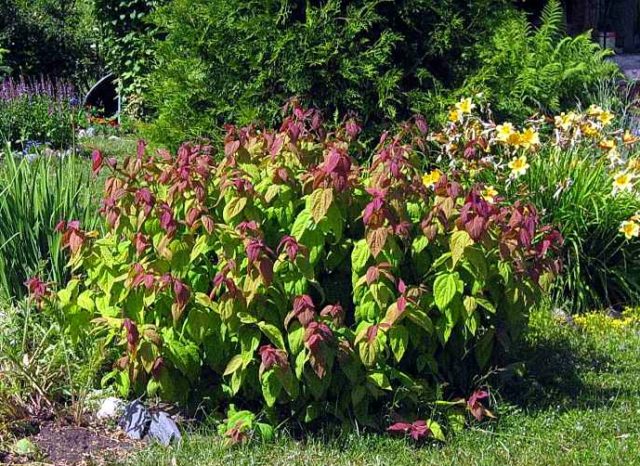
366	56
127	39
55	38
523	69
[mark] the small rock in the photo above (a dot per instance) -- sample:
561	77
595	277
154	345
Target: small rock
110	408
24	447
163	428
614	313
135	420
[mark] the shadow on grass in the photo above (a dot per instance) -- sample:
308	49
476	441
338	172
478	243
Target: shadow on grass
562	371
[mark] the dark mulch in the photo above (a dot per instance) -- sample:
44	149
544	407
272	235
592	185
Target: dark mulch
72	445
75	445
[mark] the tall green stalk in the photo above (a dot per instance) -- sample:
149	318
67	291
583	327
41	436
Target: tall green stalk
34	196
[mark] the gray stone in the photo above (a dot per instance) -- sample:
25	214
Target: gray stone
135	420
163	428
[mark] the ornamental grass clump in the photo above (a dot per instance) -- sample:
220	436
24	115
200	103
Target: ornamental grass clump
282	275
35	193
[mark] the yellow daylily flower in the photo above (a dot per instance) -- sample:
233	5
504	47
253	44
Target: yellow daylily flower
634	165
565	120
455	115
629	229
622	181
489	194
629	138
529	137
465	105
590	129
518	166
607	144
431	178
606	117
504	132
594	110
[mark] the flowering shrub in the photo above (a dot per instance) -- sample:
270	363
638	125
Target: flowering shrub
37	112
288	275
579	169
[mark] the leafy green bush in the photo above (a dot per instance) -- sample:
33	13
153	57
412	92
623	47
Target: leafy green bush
238	60
50	37
287	276
524	69
34	196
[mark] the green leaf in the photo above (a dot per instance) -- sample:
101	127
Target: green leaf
379	379
484	348
200	247
85	301
357	394
300	224
301	360
445	288
271	387
459	241
233	208
470	304
318	203
436	430
272	333
398	340
265	430
295	335
360	255
234	364
183	354
485	303
419	244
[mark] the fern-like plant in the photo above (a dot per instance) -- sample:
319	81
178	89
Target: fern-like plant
525	69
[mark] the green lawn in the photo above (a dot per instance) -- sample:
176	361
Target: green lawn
576	403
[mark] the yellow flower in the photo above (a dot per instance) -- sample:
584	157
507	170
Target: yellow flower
607	144
634	165
614	157
590	129
518	166
622	181
431	178
630	229
606	117
489	194
505	132
565	120
465	105
529	137
455	115
629	138
594	110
